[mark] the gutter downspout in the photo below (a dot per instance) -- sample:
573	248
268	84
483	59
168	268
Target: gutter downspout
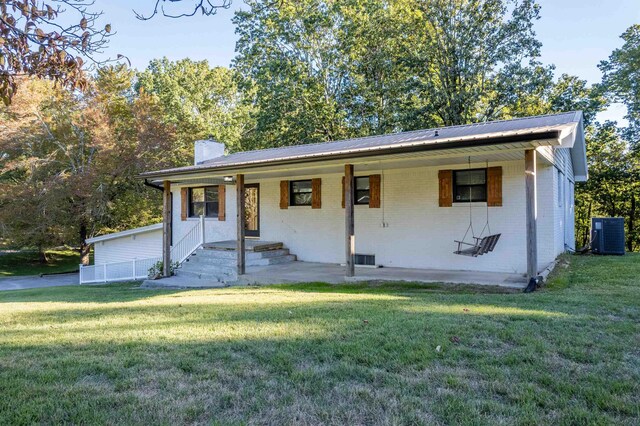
152	185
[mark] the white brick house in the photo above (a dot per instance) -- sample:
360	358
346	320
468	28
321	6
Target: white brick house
414	193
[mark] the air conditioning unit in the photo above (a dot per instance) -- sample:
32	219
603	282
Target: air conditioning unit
607	235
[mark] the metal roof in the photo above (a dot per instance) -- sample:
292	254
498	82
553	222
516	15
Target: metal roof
128	232
427	138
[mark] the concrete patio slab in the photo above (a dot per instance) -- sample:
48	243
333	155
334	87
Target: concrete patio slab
299	272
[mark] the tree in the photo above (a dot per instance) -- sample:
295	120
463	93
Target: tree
198	101
71	160
621	80
48	39
323	70
471	60
613	188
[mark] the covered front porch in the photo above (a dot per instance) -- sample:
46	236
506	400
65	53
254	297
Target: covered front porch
300	272
405	225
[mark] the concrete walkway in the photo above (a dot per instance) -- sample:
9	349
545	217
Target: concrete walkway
300	272
36	281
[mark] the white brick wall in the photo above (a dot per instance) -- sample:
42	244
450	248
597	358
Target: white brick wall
420	234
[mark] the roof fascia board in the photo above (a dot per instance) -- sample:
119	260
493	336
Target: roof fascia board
551	137
126	233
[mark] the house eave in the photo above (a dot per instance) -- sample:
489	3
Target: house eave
549	136
128	232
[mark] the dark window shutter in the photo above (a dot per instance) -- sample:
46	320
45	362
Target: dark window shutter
316	193
284	194
342	196
184	203
494	186
445	184
374	191
222	203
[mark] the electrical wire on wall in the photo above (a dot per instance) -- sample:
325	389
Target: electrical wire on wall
382	192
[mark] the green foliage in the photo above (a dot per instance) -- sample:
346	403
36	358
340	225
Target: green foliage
198	101
157	269
613	187
70	161
324	70
16	263
621	76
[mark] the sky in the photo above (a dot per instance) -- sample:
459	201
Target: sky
575	34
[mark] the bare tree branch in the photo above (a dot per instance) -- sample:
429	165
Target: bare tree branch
205	7
34	42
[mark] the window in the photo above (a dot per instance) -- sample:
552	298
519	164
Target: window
203	201
469	185
362	190
300	193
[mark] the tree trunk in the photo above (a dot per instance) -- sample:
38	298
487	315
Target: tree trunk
42	256
85	248
632	216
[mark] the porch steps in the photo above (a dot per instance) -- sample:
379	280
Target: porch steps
214	265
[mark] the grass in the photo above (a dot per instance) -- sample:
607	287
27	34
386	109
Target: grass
26	262
317	353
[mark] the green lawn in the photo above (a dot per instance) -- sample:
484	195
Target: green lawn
310	354
27	262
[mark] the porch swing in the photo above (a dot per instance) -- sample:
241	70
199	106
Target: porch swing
478	245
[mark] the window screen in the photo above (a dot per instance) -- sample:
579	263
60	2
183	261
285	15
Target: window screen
203	201
469	185
300	193
362	190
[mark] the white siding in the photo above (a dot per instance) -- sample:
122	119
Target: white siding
126	248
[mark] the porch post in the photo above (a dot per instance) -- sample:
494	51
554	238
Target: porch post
240	223
166	228
349	198
532	213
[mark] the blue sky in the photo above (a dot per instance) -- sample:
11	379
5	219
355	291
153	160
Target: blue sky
576	35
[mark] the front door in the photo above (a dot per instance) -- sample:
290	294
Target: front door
252	210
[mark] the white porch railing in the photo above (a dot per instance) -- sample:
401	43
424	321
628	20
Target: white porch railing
137	269
189	243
